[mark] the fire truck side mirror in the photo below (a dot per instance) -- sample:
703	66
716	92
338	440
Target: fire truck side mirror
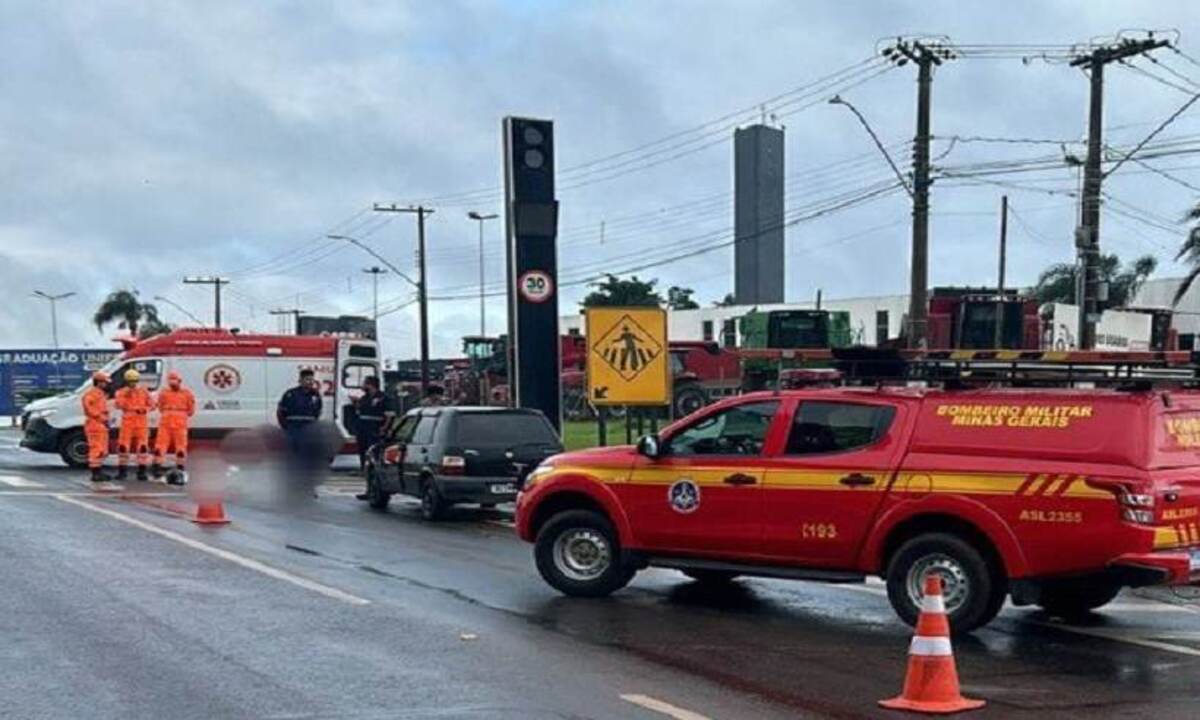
648	445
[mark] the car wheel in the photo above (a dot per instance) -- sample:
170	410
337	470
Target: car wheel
377	499
711	577
578	554
433	507
73	449
973	589
1072	599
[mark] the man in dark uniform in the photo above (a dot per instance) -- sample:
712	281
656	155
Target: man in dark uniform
297	413
371	412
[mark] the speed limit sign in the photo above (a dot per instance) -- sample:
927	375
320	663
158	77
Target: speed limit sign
536	286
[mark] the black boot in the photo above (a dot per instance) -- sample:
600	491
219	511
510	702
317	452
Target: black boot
156	470
141	473
122	471
98	475
177	476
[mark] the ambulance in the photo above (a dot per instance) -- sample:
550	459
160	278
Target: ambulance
237	379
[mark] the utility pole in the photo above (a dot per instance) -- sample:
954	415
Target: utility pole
925	55
53	300
294	312
1000	284
481	219
375	271
216	282
1087	236
422	286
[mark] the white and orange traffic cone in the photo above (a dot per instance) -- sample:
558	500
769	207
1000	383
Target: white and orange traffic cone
931	685
210	512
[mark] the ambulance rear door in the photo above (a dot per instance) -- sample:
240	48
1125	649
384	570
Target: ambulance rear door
356	361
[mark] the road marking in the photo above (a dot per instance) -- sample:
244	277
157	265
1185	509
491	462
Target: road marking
248	563
1122	636
18	481
662	707
502	523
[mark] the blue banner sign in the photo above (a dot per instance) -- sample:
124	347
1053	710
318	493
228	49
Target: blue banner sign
28	374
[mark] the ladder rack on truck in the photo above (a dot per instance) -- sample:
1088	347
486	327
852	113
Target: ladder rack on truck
1026	368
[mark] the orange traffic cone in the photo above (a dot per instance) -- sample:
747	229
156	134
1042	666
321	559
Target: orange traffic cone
931	685
210	512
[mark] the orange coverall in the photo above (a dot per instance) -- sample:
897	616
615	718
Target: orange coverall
175	406
135	404
95	427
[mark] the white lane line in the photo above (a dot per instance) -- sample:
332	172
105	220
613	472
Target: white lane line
327	591
1122	636
18	481
502	523
662	707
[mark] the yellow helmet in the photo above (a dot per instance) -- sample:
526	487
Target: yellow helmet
132	376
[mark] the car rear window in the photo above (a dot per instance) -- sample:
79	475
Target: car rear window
503	428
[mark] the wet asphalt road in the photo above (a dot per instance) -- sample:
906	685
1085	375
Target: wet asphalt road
117	607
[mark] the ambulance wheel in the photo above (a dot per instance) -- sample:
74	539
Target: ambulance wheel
1073	599
377	499
972	587
578	554
73	449
711	577
433	506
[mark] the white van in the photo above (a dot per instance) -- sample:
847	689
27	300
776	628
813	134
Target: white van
237	379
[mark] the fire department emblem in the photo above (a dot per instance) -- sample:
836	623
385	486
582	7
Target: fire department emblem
222	378
684	496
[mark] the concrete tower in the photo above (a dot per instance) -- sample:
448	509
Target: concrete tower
758	255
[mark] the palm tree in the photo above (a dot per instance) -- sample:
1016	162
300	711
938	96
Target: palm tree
130	313
1191	251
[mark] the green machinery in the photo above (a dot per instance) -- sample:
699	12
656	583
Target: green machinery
787	330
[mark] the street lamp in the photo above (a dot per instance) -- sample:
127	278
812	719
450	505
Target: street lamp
180	308
53	299
481	219
839	100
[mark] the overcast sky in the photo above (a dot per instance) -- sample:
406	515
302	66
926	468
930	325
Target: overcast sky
146	141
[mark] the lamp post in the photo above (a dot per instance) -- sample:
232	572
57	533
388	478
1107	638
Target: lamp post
481	219
53	300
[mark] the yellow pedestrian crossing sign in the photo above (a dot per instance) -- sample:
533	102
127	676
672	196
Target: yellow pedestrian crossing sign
628	360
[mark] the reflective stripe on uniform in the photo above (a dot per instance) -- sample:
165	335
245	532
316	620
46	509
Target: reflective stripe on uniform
929	646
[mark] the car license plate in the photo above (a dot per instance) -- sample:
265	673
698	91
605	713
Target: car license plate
509	488
1194	560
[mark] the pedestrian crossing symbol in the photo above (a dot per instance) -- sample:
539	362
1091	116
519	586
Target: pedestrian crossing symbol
627	356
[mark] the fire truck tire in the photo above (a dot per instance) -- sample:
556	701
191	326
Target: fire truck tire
1073	599
972	586
433	506
377	499
711	577
688	399
73	449
577	552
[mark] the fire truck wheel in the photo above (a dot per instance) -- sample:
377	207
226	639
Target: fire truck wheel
711	577
1073	599
73	449
433	506
973	589
377	499
578	554
689	399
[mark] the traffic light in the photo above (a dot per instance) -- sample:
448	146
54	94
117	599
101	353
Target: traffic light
532	227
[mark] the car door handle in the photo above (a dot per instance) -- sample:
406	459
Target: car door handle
739	479
857	480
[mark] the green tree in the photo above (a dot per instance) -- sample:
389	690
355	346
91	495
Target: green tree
727	301
1057	282
615	291
125	308
1189	252
680	298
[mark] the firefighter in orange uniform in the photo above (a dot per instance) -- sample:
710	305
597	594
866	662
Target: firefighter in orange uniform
176	404
135	403
95	425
